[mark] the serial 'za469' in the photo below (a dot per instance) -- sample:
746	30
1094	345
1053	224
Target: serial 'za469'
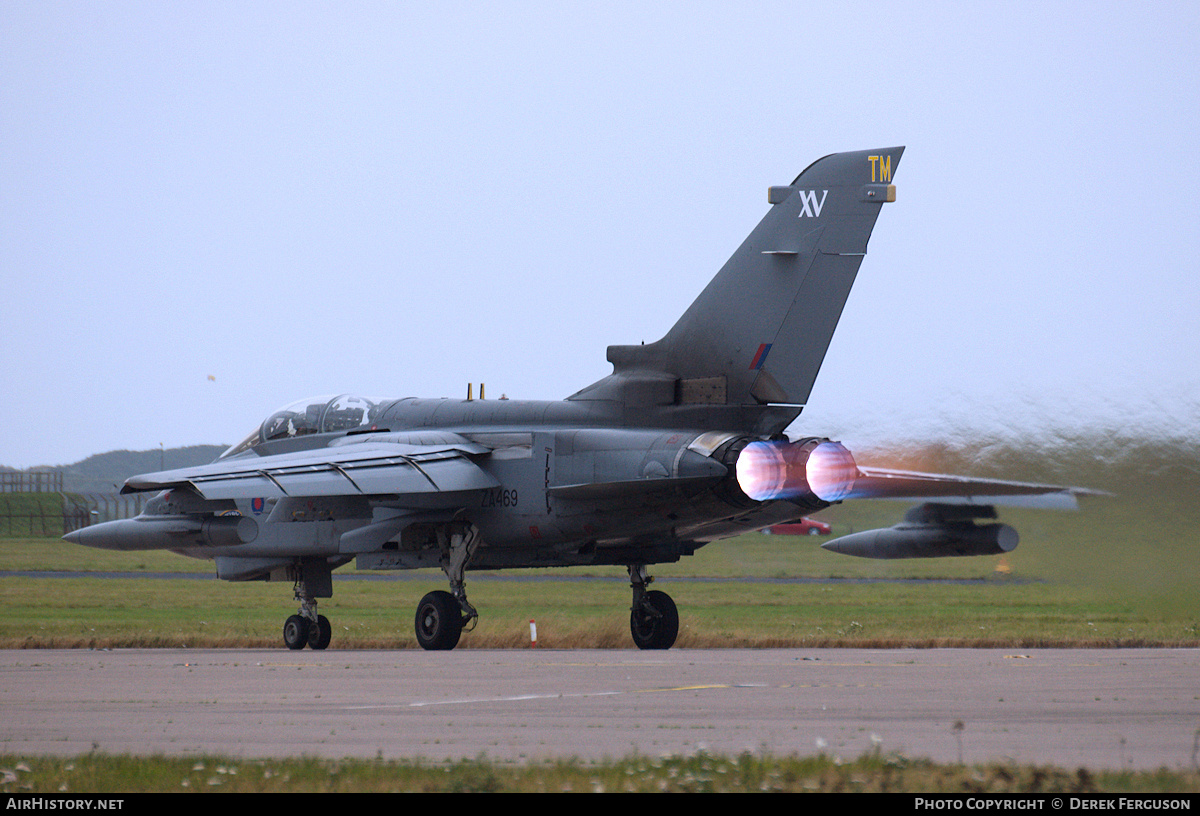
682	445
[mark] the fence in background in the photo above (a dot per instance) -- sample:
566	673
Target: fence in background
37	481
38	522
19	518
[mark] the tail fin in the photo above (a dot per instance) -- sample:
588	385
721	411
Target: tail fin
758	333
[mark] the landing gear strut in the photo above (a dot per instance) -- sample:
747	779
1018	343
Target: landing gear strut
306	627
653	618
443	616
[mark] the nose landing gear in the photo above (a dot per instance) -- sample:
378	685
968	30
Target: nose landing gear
306	627
300	631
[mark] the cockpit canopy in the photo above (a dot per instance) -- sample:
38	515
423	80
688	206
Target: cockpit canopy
325	414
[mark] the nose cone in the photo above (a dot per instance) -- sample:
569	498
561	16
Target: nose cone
132	534
93	536
167	532
105	536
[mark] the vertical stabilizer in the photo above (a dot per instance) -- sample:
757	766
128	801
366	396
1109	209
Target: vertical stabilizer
758	333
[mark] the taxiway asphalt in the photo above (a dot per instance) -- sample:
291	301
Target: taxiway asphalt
1095	708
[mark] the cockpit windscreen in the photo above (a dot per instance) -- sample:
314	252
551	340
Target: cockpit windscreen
324	414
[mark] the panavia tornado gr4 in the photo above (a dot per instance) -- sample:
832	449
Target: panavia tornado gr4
682	445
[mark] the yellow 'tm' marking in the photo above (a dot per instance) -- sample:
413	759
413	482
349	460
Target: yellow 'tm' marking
881	168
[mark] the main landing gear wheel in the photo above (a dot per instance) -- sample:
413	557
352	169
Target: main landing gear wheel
654	623
439	621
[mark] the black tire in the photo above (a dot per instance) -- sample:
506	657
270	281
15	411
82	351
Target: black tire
651	631
439	621
295	632
320	634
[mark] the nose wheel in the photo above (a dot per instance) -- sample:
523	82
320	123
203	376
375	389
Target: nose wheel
306	627
299	631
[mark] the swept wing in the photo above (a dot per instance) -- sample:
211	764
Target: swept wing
389	466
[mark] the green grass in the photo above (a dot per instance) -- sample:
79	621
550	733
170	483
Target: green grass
701	773
32	514
1015	609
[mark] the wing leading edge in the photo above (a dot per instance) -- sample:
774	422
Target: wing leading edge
375	468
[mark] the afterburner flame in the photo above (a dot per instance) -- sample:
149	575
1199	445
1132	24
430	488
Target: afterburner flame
786	470
831	471
762	471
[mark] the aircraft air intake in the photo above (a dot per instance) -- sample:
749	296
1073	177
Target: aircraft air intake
787	470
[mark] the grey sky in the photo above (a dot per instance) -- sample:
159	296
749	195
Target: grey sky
210	210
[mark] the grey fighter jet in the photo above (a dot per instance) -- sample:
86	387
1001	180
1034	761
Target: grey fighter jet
682	445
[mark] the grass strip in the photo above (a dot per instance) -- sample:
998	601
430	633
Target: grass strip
699	773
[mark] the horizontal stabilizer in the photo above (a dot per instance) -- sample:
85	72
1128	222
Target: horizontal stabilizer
882	483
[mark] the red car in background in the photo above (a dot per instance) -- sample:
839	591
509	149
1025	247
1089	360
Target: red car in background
804	526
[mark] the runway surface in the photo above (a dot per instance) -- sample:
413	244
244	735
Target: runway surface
1129	708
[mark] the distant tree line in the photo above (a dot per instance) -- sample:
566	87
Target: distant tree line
106	472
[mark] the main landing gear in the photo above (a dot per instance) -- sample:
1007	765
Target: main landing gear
443	616
653	618
439	622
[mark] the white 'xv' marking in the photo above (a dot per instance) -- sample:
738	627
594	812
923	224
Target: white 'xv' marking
809	206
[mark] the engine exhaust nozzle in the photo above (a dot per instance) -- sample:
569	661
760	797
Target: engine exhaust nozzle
787	470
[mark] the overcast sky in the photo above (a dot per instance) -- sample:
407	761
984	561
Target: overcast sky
209	210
